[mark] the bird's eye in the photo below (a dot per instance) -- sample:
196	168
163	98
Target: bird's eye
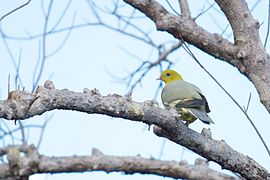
168	74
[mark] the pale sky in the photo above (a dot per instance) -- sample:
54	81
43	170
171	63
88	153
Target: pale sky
89	58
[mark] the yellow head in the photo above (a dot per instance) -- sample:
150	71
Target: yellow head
170	75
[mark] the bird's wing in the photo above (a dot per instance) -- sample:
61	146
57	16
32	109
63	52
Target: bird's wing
189	103
207	109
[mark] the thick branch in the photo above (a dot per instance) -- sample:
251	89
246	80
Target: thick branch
22	105
34	163
180	26
252	54
247	54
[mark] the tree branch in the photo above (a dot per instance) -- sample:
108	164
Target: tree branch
33	163
16	9
252	54
184	8
22	105
179	27
247	54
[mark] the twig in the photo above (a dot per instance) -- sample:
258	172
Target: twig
21	127
12	11
268	25
8	132
61	17
17	76
147	65
145	37
249	98
44	57
204	11
46	121
64	39
10	53
8	83
182	153
173	8
255	5
11	132
163	143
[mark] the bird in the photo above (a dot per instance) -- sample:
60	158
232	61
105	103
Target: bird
185	97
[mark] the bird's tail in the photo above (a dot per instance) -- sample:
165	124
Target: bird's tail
203	116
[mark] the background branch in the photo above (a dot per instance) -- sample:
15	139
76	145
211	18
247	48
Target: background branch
14	10
33	163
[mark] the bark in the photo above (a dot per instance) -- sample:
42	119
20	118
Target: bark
251	53
22	105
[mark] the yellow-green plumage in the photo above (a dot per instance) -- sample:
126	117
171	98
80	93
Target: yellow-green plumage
185	97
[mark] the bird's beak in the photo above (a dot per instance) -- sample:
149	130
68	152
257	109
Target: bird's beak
160	78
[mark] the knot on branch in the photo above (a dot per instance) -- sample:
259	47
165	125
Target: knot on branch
91	92
18	166
218	37
242	54
18	95
14	160
49	85
96	152
165	21
201	162
183	163
160	132
151	103
129	95
257	24
207	133
18	104
95	92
